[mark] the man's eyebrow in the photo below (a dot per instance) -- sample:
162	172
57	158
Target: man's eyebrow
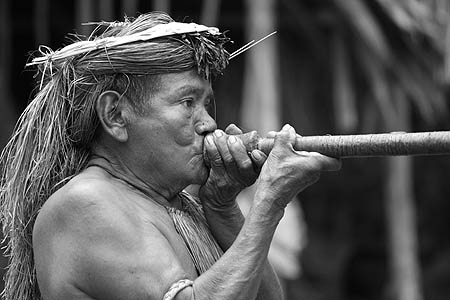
192	89
189	89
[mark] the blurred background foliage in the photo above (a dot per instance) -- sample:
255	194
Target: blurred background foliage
379	228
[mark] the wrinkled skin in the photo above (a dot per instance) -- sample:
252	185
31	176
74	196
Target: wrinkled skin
232	168
106	234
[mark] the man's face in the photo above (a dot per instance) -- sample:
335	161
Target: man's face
168	137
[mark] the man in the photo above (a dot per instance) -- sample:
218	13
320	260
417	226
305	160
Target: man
127	127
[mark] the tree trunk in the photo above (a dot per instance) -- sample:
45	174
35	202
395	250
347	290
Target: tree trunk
261	106
210	12
261	111
444	8
343	90
130	7
84	13
106	10
401	215
41	22
7	113
161	5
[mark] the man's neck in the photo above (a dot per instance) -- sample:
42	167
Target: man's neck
147	186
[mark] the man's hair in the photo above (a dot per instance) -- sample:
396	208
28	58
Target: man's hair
52	140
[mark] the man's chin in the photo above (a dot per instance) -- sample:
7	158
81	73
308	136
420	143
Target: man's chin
199	170
202	176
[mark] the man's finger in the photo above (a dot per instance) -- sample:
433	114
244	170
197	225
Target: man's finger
292	133
232	129
259	158
212	152
285	137
222	146
271	134
331	164
240	156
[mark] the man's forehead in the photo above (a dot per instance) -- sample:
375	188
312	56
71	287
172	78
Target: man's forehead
194	89
185	82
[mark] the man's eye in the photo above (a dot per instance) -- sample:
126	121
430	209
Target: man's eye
188	102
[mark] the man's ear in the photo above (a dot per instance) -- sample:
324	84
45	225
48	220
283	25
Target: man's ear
112	113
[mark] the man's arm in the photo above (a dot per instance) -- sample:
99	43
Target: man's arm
89	245
225	219
221	209
225	224
105	252
232	170
86	248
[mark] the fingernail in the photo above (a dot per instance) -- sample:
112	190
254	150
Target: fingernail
232	139
218	133
209	139
256	155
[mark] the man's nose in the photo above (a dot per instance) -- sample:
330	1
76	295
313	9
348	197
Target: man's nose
205	124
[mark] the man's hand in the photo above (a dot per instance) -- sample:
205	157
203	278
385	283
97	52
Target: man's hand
232	168
287	171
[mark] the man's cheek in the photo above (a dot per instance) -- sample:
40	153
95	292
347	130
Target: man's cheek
185	138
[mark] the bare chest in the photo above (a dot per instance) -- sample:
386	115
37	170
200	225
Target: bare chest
158	217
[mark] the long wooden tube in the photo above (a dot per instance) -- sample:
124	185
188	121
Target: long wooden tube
363	145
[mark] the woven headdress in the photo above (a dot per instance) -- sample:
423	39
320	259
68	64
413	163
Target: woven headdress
52	140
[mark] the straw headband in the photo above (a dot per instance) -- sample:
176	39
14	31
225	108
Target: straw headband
157	31
160	30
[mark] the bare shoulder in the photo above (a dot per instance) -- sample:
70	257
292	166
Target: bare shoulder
93	199
73	215
88	239
84	195
83	201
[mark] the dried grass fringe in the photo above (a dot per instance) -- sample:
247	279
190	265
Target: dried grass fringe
51	141
192	226
37	160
